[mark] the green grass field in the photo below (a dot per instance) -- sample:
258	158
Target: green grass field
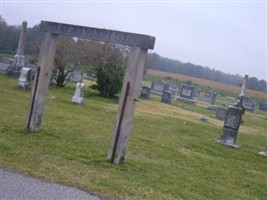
171	153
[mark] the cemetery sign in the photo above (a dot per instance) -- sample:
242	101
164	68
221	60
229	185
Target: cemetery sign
104	35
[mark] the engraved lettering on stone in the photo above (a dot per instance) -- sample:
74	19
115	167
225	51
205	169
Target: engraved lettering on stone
104	35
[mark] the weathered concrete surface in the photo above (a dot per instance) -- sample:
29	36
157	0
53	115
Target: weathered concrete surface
105	35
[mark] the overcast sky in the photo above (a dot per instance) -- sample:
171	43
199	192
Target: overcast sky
229	36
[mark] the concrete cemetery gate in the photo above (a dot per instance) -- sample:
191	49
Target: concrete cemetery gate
139	44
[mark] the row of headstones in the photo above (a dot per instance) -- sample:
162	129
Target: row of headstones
27	74
158	87
232	116
186	96
25	78
229	115
188	92
24	82
168	91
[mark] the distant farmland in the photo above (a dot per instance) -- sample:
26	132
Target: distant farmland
207	83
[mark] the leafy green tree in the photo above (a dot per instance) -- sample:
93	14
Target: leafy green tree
110	68
9	37
33	41
64	57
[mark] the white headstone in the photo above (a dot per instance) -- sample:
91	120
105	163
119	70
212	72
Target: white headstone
24	78
19	59
78	95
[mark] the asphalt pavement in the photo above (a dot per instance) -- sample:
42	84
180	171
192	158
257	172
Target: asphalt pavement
14	186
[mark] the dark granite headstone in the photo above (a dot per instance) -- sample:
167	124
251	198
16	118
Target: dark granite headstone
229	137
263	106
213	98
208	93
172	89
189	82
233	119
196	92
5	64
209	96
157	87
166	97
248	104
145	93
187	92
232	122
4	67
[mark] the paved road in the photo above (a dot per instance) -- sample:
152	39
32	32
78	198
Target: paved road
14	186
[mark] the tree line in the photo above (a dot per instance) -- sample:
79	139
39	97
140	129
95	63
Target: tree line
106	61
90	54
160	63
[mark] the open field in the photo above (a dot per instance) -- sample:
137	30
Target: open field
207	83
171	154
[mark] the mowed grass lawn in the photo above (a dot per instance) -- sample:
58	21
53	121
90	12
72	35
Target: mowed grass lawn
171	153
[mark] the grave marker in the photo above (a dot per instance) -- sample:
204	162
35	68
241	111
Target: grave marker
212	105
208	95
24	78
213	98
248	104
19	59
189	82
5	64
186	94
145	92
157	87
166	97
233	119
172	89
263	106
196	92
78	95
